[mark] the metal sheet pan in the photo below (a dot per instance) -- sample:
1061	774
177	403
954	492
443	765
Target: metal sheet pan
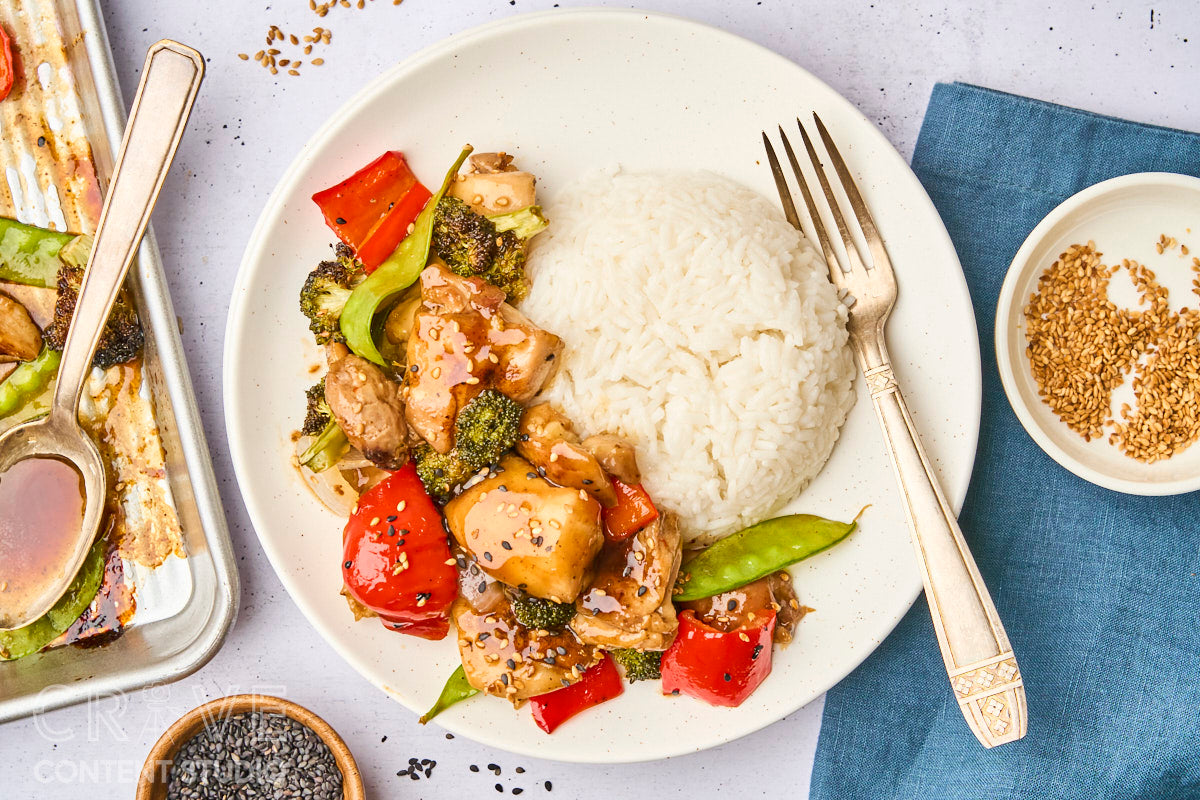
186	606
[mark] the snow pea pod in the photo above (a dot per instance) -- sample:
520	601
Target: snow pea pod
756	552
48	627
327	449
392	277
29	255
27	381
456	690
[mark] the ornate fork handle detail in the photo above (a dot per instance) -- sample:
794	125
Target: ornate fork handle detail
979	659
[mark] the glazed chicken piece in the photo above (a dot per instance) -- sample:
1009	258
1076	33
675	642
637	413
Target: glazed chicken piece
502	657
466	339
548	441
20	339
493	185
527	533
628	604
738	608
617	456
367	406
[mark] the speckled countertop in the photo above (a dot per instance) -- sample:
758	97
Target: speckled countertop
1132	60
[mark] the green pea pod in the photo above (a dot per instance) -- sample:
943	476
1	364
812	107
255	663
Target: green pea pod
48	627
326	450
29	255
756	552
392	277
456	690
27	381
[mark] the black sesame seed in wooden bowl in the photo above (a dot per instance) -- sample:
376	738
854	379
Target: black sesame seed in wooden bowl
250	746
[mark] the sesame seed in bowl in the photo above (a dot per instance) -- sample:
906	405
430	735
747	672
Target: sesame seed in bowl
1098	334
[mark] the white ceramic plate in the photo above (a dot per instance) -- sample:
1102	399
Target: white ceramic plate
565	91
1125	217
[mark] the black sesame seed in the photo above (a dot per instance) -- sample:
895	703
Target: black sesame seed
587	481
487	556
495	768
550	357
520	771
391	518
474	768
445	525
391	531
483	636
530	475
348	564
340	221
503	488
506	545
524	437
562	651
482	587
565	682
731	605
41	141
549	786
504	678
413	368
462	562
537	541
449	736
757	649
511	664
549	659
728	677
541	471
518	790
438	472
499	788
625	573
641	591
384	739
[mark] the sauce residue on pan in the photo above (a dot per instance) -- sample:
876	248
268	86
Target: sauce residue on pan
41	513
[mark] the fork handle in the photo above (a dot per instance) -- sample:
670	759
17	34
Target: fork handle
979	660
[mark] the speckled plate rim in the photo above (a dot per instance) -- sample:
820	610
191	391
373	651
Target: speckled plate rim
1008	309
959	411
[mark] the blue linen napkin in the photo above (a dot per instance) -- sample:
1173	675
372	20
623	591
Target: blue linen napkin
1099	591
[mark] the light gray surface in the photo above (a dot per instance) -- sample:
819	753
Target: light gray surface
1112	58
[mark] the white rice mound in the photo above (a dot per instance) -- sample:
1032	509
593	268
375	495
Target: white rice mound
702	327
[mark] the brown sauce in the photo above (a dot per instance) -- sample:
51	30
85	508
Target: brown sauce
41	513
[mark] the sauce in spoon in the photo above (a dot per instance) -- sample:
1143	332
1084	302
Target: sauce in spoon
41	513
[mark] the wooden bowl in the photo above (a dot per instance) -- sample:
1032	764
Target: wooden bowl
152	784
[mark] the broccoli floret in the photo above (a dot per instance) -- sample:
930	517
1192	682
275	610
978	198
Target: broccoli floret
547	615
639	665
326	291
318	413
508	267
487	428
466	241
441	474
526	223
122	338
473	247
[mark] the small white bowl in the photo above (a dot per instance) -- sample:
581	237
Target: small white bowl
1125	217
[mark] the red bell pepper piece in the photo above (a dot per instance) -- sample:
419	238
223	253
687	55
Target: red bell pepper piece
395	554
634	510
372	209
600	682
720	668
7	68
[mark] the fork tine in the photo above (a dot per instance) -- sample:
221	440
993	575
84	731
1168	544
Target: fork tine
852	255
870	232
785	195
835	268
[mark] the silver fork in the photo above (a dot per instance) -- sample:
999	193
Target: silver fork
979	659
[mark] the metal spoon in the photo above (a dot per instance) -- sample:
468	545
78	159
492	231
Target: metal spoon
170	80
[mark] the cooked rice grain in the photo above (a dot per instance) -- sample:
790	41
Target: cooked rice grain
702	327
